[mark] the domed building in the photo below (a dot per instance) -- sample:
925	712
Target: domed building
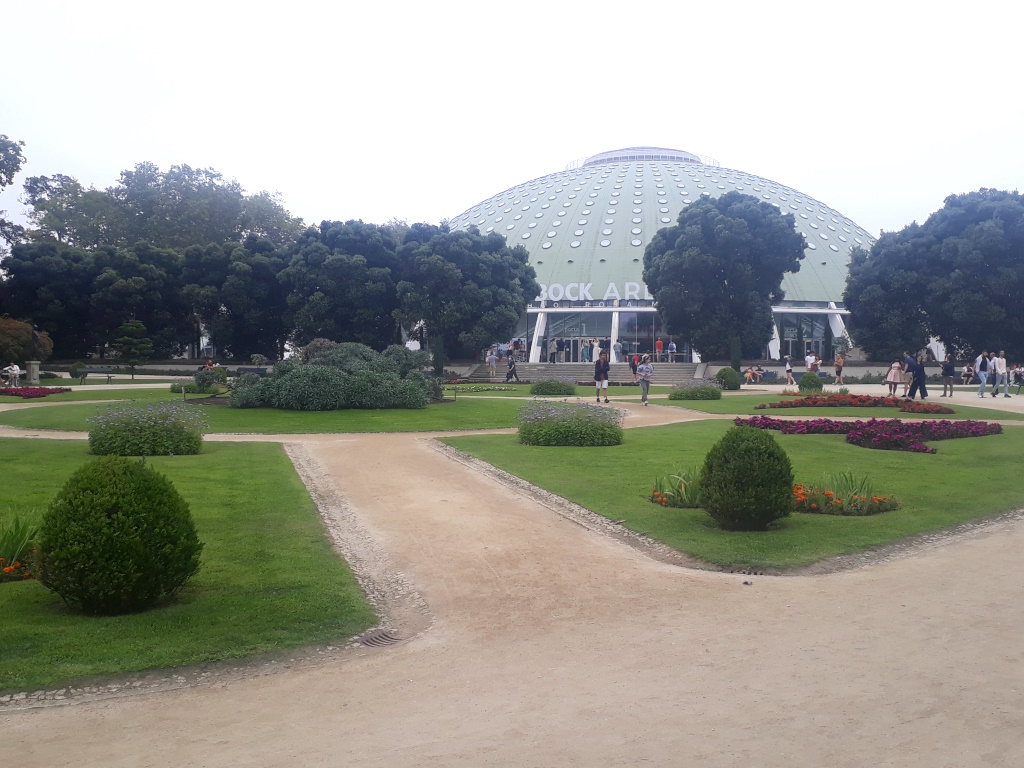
586	229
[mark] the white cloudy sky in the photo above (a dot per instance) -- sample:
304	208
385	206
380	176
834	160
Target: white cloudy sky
419	110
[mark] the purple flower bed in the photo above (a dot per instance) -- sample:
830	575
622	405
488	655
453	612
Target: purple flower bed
886	434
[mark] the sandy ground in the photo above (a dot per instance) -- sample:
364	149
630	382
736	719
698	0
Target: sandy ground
541	642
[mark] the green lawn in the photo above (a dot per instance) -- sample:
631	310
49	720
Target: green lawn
743	404
965	479
465	413
269	578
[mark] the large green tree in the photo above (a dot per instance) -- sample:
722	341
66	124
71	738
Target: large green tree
17	342
717	272
465	289
133	345
958	277
11	160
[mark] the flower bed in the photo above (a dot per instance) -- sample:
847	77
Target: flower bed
16	571
479	388
32	392
858	401
887	435
816	500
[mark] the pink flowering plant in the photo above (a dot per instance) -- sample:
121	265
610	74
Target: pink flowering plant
30	393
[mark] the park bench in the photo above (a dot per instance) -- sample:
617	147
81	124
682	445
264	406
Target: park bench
104	370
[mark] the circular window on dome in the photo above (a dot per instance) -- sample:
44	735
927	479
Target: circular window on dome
636	242
593	194
552	233
637	221
613	202
767	196
518	216
574	244
489	229
812	225
638	210
609	221
636	260
525	235
606	231
605	243
538	215
510	226
586	211
546	205
812	246
823	236
803	215
498	219
566	205
546	245
578	232
831	227
556	223
833	246
615	194
532	224
701	186
843	239
687	200
663	210
569	260
665	219
539	262
662	200
637	201
636	231
581	222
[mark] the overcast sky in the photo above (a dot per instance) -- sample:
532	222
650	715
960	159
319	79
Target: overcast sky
420	110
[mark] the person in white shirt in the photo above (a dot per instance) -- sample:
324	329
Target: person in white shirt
809	360
999	375
981	371
13	373
645	370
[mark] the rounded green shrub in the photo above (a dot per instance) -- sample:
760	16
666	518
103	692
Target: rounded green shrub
746	482
729	378
251	391
208	378
575	424
117	538
705	392
154	429
188	386
553	387
810	382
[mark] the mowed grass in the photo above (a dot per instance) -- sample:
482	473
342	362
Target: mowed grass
464	413
965	479
268	580
743	404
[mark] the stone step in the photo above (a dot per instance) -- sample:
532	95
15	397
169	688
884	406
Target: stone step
664	373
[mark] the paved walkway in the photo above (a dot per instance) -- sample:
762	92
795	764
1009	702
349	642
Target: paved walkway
547	644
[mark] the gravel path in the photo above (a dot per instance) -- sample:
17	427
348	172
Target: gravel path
535	635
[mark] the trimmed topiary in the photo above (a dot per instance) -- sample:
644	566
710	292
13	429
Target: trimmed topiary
156	429
706	392
746	482
810	382
553	386
117	538
729	378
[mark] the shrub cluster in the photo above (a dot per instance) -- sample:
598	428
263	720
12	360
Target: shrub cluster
117	538
577	424
154	429
810	382
340	376
190	387
705	392
746	482
553	386
207	379
729	378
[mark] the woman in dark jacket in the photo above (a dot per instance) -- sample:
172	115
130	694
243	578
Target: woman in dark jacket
601	369
920	376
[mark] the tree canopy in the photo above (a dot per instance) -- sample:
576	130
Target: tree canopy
958	277
11	160
463	288
717	272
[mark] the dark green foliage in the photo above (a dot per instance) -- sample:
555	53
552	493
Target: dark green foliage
958	277
208	378
717	272
133	346
746	482
310	388
707	392
156	429
553	387
16	342
326	388
116	539
729	378
569	424
810	382
251	391
189	387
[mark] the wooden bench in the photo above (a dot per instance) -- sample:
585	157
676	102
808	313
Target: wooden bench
106	370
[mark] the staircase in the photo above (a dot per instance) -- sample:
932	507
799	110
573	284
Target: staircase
619	373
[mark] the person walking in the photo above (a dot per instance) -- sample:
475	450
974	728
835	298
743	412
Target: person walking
839	368
492	363
948	371
601	369
789	370
908	372
894	377
671	351
511	370
585	351
634	363
999	375
659	345
918	378
981	371
645	370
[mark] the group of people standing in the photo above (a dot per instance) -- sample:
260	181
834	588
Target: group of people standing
642	373
910	371
988	366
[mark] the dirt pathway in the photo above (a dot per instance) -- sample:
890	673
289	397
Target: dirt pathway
544	643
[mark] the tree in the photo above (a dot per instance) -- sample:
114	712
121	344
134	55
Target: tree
16	341
133	345
467	289
716	273
958	277
11	160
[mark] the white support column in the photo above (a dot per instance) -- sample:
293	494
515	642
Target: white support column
775	345
838	327
614	336
538	334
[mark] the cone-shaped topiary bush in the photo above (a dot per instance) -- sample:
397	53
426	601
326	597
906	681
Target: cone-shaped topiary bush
746	482
116	539
729	379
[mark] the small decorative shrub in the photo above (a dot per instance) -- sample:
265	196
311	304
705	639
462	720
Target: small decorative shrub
154	429
15	544
729	378
76	369
190	388
695	393
553	386
578	424
843	494
209	378
679	490
810	382
48	375
746	482
116	539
